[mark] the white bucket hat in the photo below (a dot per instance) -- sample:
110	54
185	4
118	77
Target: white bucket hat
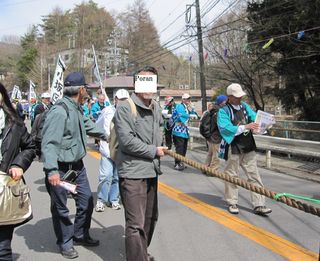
235	90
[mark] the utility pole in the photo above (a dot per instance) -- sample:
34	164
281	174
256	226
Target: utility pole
201	60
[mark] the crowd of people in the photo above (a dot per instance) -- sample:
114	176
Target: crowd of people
130	164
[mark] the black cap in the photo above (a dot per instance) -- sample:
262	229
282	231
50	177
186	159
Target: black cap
75	79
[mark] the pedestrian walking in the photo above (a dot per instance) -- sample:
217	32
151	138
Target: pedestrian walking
236	123
209	127
108	188
138	163
16	155
180	130
63	147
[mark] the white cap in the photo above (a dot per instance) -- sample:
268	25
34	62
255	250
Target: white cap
235	90
122	94
45	95
186	96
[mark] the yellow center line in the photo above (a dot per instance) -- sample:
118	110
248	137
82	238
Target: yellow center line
268	240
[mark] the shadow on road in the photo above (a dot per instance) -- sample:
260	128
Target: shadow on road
40	237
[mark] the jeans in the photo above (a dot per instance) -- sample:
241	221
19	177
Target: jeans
140	201
64	229
181	145
108	188
6	233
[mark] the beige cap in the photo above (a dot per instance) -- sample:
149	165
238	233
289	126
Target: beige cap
186	96
235	90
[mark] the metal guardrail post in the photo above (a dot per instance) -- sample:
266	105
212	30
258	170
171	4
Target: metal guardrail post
268	158
190	143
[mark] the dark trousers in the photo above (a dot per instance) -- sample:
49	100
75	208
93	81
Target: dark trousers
6	233
140	202
181	145
168	138
64	229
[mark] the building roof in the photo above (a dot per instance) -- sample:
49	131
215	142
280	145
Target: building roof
118	82
178	93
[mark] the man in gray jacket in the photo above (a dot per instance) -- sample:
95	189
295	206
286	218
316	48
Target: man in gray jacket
139	136
63	148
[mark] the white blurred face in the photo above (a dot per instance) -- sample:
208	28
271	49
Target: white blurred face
146	95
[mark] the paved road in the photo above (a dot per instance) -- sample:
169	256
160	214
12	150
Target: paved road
193	224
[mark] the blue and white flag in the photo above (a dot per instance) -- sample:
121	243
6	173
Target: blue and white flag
56	91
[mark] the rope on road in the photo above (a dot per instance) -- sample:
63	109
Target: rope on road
242	183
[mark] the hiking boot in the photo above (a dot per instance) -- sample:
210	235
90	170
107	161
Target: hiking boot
100	206
70	253
262	210
115	206
233	209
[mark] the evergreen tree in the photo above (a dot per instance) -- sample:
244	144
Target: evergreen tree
27	60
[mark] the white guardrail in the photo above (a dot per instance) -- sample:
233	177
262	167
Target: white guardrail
282	145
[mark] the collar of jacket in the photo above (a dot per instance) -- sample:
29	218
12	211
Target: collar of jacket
140	103
72	101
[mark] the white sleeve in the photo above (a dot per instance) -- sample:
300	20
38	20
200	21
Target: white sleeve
240	130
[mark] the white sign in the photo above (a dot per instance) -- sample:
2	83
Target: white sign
32	93
56	92
265	121
145	84
16	94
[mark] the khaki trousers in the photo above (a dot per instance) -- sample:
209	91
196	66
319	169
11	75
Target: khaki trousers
212	160
248	162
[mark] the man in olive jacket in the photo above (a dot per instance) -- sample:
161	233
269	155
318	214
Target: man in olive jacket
138	165
63	147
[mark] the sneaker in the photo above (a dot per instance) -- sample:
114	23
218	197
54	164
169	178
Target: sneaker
86	241
100	206
115	206
233	209
262	210
179	166
70	253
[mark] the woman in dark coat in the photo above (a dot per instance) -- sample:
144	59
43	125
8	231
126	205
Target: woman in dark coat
17	153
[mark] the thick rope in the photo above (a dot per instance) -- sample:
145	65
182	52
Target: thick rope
242	183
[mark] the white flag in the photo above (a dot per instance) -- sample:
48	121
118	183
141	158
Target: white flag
56	92
15	93
32	93
97	74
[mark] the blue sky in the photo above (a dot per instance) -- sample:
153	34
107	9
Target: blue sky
18	15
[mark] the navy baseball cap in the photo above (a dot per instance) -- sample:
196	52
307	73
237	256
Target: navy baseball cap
75	79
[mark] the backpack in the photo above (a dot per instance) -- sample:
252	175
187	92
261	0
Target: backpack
113	139
172	120
208	124
36	131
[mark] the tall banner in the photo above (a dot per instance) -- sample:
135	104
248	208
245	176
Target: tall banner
32	93
16	94
56	92
96	74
